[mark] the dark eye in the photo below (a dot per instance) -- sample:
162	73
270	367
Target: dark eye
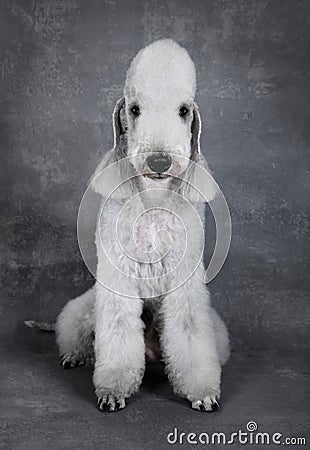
135	110
183	111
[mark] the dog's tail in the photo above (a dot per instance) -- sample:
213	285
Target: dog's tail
43	326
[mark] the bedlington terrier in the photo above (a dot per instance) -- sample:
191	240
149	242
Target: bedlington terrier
157	124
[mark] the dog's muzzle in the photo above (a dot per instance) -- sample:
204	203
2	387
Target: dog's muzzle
159	162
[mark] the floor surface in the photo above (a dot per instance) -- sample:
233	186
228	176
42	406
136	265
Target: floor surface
46	407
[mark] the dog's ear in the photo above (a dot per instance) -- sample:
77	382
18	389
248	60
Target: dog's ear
196	132
119	122
114	174
197	184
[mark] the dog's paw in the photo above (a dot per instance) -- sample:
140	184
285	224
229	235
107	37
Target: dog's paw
209	404
69	360
110	403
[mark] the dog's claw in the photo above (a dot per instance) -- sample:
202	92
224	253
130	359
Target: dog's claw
215	404
110	403
208	404
65	362
68	361
66	365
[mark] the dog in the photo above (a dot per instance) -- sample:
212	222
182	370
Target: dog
150	301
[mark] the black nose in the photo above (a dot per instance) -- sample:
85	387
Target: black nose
159	162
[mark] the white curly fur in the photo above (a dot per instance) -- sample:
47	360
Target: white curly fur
193	338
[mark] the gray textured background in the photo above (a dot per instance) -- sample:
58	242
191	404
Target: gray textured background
62	67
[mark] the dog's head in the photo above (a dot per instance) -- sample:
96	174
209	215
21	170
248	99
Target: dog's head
157	124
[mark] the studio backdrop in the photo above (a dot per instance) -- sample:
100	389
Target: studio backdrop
63	66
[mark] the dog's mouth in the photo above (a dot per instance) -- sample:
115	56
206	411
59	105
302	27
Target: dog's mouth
157	176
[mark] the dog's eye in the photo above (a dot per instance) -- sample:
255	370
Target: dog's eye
135	110
183	111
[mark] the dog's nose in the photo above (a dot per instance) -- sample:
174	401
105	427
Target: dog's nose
159	162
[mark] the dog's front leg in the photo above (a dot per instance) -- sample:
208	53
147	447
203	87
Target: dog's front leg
189	345
119	348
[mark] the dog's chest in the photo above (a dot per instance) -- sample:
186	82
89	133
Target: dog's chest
143	239
156	231
152	249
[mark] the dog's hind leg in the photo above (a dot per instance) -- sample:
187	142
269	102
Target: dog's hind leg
75	330
222	338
